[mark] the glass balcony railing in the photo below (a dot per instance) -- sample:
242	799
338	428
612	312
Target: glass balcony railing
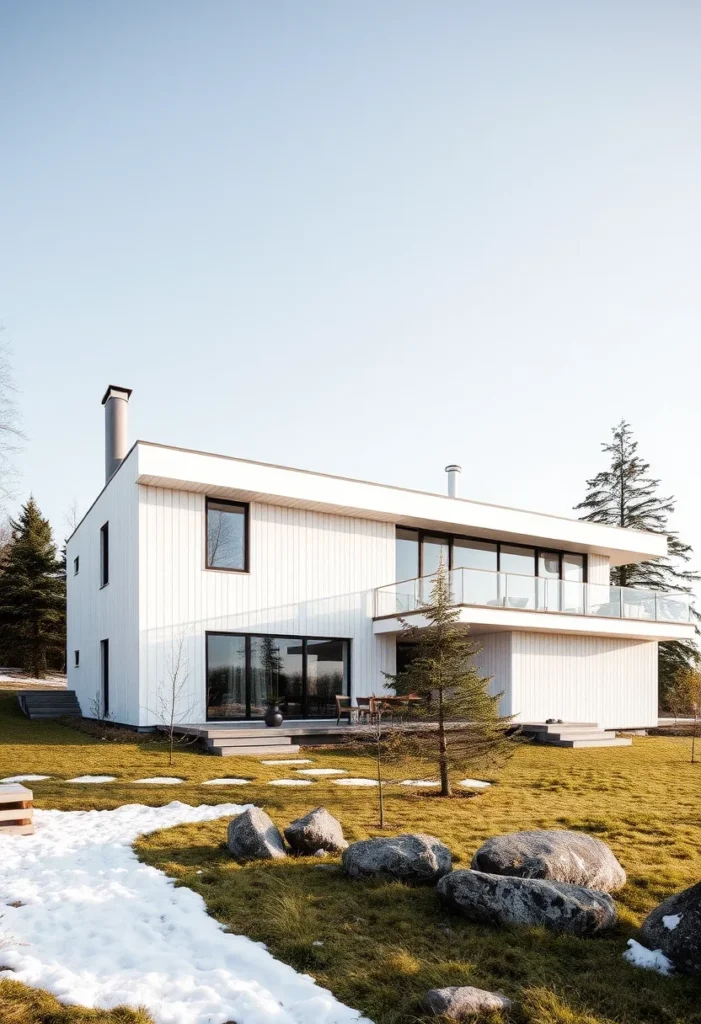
509	590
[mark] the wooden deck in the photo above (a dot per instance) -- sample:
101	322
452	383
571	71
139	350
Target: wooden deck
255	738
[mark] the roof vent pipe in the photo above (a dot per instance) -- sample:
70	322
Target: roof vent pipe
453	472
115	401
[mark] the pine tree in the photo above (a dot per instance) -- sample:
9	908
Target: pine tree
33	595
467	730
626	495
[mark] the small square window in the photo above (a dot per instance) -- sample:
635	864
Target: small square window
77	658
76	565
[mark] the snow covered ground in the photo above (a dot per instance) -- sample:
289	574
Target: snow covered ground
98	928
17	677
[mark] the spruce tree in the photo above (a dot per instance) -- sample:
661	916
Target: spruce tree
466	730
626	495
33	595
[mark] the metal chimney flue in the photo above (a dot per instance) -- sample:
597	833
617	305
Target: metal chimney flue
116	403
453	472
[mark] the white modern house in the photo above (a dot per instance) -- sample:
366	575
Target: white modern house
263	577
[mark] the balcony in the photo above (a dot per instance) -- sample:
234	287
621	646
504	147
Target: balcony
484	589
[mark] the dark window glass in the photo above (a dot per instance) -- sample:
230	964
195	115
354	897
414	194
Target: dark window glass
76	566
517	560
304	675
573	568
407	546
77	658
434	551
226	676
474	554
226	535
104	554
104	709
549	596
406	652
327	672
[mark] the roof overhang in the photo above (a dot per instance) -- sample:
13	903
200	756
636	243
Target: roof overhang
241	480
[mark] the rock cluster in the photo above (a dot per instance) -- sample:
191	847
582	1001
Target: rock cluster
254	836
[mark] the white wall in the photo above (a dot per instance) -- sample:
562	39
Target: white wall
610	681
598	569
96	613
312	574
494	660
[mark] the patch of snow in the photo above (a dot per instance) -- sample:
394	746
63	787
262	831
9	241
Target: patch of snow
419	783
670	921
322	771
25	778
474	784
290	782
92	778
100	929
226	782
290	760
164	780
649	959
355	782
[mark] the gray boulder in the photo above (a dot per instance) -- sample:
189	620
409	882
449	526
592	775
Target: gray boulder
253	836
316	833
413	857
463	1001
496	900
557	855
675	928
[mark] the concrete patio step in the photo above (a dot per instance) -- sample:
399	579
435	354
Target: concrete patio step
226	750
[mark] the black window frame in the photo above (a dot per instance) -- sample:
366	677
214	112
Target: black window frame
548	549
245	505
282	636
76	659
104	554
76	565
105	676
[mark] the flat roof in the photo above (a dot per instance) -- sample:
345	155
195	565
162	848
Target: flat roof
246	480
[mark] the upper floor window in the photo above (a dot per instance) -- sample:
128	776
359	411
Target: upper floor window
419	553
227	535
104	555
76	565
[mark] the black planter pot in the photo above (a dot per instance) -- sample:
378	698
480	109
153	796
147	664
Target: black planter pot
273	716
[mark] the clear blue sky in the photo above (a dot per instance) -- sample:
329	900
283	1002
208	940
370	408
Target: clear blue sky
368	238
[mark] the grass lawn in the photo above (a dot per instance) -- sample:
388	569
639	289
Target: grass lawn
385	944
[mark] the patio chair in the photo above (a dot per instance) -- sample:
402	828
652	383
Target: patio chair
366	708
344	710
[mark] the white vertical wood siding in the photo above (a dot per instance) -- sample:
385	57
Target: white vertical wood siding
598	569
609	681
110	612
311	574
494	660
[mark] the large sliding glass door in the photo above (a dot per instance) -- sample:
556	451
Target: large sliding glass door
245	671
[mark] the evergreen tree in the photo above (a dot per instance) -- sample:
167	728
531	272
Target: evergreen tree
33	595
626	495
468	731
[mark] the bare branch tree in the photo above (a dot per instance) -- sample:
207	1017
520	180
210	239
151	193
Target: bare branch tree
11	437
71	516
174	704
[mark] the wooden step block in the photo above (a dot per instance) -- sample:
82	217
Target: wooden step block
16	809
